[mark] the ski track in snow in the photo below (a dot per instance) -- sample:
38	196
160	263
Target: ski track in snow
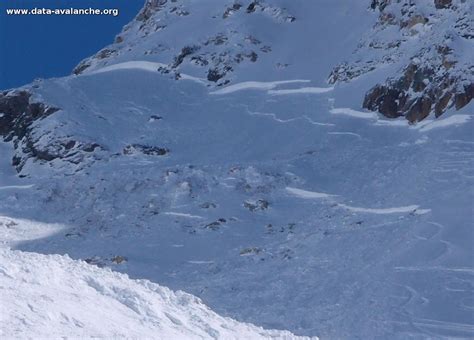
444	326
279	120
292	273
340	133
447	269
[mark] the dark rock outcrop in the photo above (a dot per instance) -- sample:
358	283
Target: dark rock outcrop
436	78
439	4
185	51
17	113
417	93
151	6
257	205
380	4
231	10
145	149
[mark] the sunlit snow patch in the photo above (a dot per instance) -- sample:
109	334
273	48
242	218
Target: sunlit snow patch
423	126
8	187
415	209
454	120
61	298
131	65
144	66
15	230
178	214
303	90
256	85
392	122
307	194
382	211
353	113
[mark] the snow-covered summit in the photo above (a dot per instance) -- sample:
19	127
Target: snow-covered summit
425	44
231	41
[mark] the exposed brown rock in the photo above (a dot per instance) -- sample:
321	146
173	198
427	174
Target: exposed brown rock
442	104
413	20
435	79
384	100
395	98
119	259
463	98
419	110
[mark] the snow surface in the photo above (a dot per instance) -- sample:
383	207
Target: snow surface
307	194
256	85
142	66
132	65
303	90
53	296
388	256
354	113
453	120
414	209
16	187
396	210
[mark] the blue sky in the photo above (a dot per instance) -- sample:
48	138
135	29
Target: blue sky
50	46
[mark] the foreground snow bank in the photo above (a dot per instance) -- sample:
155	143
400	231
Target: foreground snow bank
55	296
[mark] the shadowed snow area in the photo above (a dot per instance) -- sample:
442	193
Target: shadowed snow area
273	197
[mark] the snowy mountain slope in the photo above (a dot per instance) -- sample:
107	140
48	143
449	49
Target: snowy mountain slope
235	41
429	47
274	198
56	297
296	219
421	42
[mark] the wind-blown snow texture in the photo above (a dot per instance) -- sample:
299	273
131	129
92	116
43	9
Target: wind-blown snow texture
247	181
60	297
